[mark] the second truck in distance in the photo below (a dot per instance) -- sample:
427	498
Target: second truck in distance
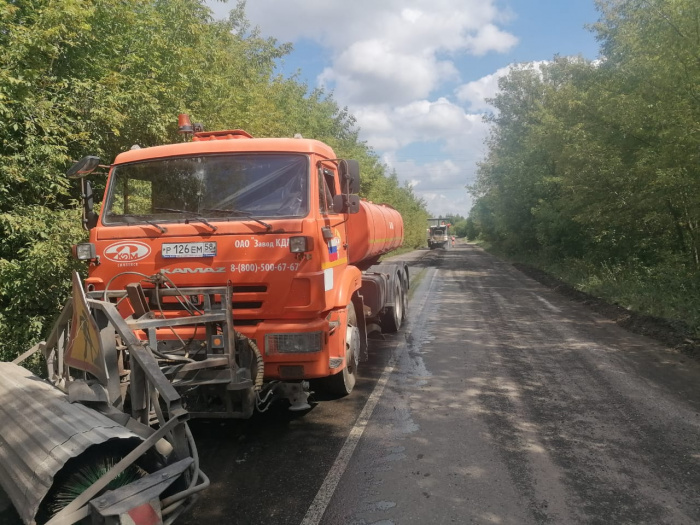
438	233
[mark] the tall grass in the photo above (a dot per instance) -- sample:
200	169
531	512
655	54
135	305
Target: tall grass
669	290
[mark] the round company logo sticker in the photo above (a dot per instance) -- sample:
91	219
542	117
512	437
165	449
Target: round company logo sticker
127	251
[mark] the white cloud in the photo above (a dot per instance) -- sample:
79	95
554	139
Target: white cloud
446	24
442	122
490	38
440	174
476	92
392	51
373	72
441	204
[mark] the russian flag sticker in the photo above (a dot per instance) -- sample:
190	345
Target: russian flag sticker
333	249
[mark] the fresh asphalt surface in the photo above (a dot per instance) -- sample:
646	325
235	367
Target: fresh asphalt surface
498	402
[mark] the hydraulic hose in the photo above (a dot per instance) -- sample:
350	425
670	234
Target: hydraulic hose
261	365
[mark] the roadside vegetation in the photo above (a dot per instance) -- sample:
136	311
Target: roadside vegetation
94	77
593	168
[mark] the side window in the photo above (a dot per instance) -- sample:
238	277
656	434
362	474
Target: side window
326	185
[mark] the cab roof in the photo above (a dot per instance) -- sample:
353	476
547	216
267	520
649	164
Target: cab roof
235	144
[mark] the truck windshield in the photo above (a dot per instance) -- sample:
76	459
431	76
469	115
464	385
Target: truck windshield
220	187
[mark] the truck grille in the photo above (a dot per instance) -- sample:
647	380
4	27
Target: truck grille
246	305
245	297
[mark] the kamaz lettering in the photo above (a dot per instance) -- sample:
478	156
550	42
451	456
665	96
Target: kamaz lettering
195	270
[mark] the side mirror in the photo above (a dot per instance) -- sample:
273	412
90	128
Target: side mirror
349	171
83	167
346	203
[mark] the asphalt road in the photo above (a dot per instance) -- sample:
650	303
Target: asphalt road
498	402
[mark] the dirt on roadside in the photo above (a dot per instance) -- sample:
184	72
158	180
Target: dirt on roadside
674	334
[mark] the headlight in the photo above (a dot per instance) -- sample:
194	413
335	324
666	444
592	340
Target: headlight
301	244
302	343
84	252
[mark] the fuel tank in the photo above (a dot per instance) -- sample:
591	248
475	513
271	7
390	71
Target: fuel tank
376	229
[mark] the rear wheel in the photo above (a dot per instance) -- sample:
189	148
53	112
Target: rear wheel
393	315
404	294
342	383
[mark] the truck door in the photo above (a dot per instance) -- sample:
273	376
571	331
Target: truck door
332	229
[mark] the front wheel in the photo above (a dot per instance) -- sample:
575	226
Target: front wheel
342	383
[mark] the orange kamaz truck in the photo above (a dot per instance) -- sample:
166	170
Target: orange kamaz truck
247	266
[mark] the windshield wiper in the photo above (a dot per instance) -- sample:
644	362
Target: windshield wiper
140	218
241	213
197	216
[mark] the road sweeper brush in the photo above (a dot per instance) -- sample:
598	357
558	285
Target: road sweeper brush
105	438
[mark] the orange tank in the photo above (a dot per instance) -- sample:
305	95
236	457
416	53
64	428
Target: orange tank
376	229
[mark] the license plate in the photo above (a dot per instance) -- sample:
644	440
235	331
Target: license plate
188	249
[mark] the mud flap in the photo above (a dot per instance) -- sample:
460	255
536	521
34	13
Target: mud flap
359	305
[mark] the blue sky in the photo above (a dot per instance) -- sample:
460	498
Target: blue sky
415	73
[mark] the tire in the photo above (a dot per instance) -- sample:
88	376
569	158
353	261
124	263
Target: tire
342	383
393	315
404	294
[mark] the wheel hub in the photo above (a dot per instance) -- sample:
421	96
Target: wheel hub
352	345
